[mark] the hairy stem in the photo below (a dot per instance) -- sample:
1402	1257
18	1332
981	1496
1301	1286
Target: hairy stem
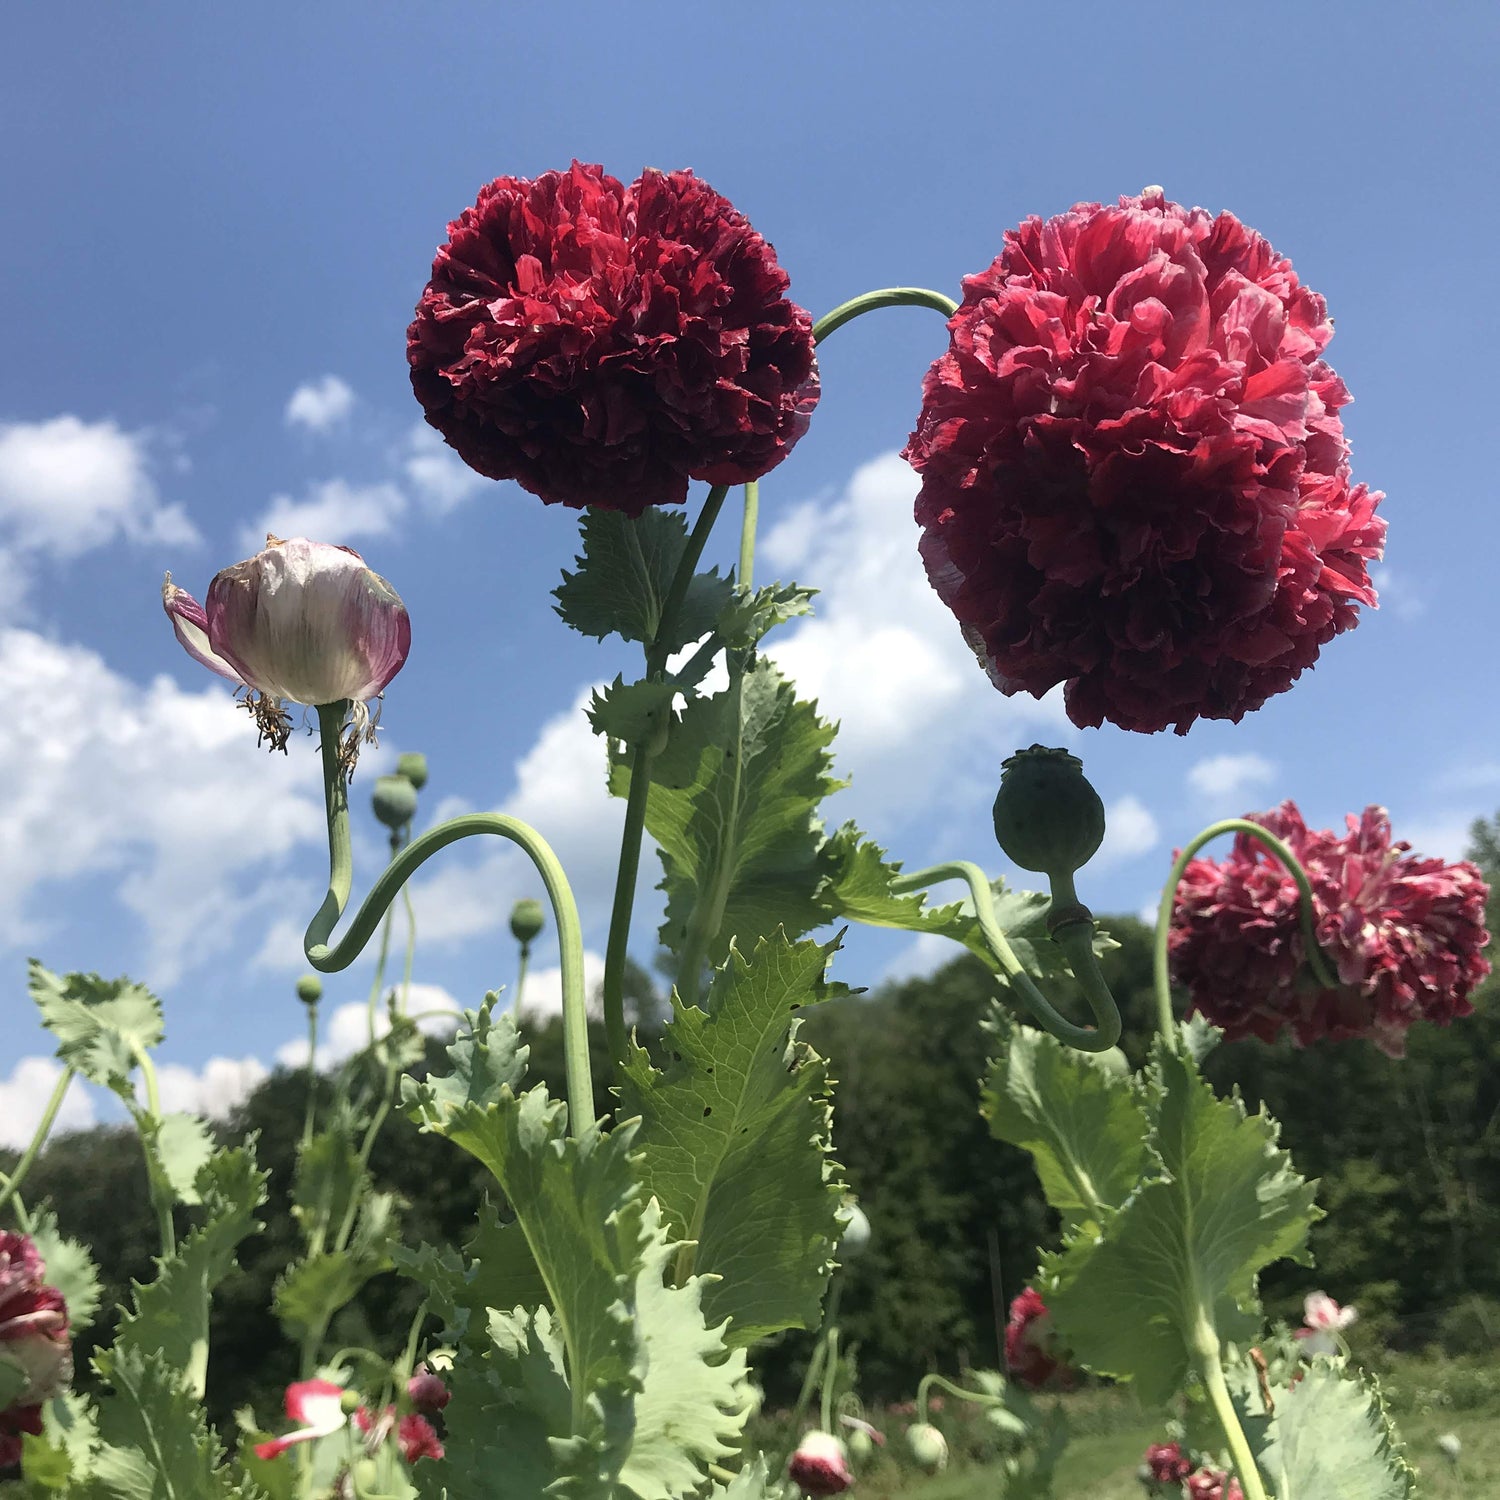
1206	1350
1160	973
745	573
10	1186
155	1178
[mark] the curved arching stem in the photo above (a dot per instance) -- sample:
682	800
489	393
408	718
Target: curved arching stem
887	296
1074	937
330	958
1161	979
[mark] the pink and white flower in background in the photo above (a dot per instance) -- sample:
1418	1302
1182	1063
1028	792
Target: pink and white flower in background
820	1465
300	622
1323	1322
36	1356
317	1406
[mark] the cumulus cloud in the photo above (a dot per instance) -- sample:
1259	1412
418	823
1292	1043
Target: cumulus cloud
1398	593
1129	832
68	486
1229	778
161	792
319	405
24	1096
438	477
215	1090
333	511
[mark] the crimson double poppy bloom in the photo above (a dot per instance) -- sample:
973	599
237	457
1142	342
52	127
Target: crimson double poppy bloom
603	344
1134	474
34	1341
1033	1352
1403	935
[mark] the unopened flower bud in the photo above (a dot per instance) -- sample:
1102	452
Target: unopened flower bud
861	1446
1047	816
1450	1447
927	1445
428	1393
820	1465
413	766
526	919
309	989
349	1403
395	801
856	1238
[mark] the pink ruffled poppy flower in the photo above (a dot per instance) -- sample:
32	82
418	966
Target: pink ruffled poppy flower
301	622
1403	935
1135	480
1032	1353
34	1341
1166	1463
318	1407
1323	1321
820	1465
603	344
427	1392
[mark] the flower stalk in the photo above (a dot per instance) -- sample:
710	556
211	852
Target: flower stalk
10	1186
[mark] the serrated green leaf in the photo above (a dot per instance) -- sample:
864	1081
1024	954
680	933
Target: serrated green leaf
488	1063
750	616
752	1482
632	711
156	1440
182	1145
328	1179
169	1315
691	1406
1330	1438
97	1023
1176	1264
624	574
311	1291
64	1455
734	1138
70	1269
1085	1128
732	807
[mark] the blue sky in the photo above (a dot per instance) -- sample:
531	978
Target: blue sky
207	215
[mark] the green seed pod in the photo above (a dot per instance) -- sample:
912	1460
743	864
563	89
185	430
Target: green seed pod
856	1238
413	766
526	919
928	1446
1047	817
395	801
861	1445
349	1403
309	989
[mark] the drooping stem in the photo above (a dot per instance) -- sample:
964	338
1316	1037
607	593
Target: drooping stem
1075	938
617	947
745	573
332	957
1206	1350
979	1398
889	296
1160	972
10	1186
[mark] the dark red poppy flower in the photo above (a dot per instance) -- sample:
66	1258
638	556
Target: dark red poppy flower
418	1438
1032	1351
1403	935
1214	1484
1134	475
820	1465
34	1343
1167	1463
602	345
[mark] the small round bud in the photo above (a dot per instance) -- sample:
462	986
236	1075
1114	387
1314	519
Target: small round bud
426	1392
395	801
349	1403
1450	1447
856	1238
309	989
526	919
861	1445
928	1446
413	766
1047	817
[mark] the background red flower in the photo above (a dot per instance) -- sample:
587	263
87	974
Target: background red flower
1134	475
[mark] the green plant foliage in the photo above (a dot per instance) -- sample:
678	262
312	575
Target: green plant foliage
181	1146
734	1138
1177	1262
732	807
751	615
170	1316
98	1023
624	574
1330	1437
632	711
65	1454
751	1483
1084	1127
70	1269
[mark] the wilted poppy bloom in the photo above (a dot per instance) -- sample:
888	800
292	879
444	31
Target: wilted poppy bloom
301	622
318	1406
603	344
1032	1351
820	1465
1134	475
33	1341
1403	935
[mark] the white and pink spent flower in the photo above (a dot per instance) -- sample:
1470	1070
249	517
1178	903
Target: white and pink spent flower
1323	1323
820	1465
300	622
318	1407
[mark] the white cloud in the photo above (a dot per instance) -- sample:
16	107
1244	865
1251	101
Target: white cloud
319	405
334	511
24	1096
923	956
1397	593
214	1090
1225	778
1129	831
1438	836
159	790
440	479
346	1029
67	486
543	993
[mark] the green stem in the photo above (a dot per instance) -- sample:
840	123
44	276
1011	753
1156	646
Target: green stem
1161	978
377	980
830	1380
890	296
617	946
521	967
745	574
38	1140
155	1180
330	958
1206	1348
310	1116
979	1398
1075	939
